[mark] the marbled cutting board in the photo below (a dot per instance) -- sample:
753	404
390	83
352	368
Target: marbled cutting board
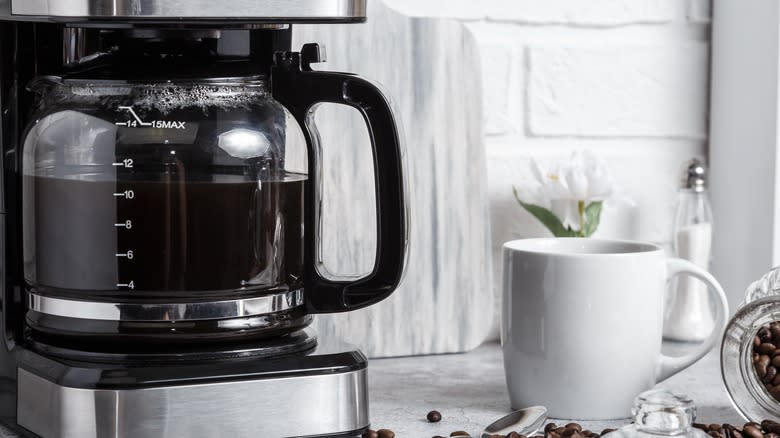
430	69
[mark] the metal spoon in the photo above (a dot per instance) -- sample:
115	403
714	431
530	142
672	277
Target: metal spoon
525	422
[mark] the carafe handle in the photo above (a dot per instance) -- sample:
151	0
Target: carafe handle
300	89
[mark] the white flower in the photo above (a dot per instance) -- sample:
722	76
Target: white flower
585	178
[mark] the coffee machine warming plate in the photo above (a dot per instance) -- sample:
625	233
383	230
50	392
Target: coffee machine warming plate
184	11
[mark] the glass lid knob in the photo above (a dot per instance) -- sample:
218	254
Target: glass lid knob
661	412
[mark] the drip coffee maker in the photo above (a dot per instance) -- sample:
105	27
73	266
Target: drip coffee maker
160	204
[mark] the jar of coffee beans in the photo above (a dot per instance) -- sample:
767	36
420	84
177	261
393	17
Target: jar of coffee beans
750	354
661	413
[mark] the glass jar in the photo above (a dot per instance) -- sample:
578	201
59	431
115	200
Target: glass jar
749	349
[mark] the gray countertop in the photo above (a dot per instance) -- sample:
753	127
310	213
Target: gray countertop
469	391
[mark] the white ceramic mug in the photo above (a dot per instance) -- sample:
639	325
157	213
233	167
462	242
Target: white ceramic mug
582	323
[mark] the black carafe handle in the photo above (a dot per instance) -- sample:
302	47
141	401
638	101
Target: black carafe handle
300	89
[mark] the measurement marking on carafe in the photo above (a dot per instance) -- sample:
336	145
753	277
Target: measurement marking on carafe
126	224
127	162
159	124
137	119
127	194
128	254
130	285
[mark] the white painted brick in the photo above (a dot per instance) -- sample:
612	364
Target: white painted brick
584	12
650	91
700	11
571	12
498	74
460	9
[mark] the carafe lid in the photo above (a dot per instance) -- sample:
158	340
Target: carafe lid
661	413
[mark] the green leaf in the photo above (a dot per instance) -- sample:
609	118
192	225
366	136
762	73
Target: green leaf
546	217
592	217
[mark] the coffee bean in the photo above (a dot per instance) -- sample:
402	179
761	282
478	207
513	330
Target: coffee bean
385	433
766	348
761	365
715	427
437	436
568	433
514	435
559	430
700	426
574	426
714	434
550	427
370	434
459	433
606	431
771	372
756	341
587	433
764	334
434	416
752	431
774	330
770	426
553	434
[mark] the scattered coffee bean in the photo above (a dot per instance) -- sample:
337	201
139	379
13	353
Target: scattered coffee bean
574	426
437	436
370	434
606	431
434	416
752	431
459	433
568	432
550	427
514	435
385	433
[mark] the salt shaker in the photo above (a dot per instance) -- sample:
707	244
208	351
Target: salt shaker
689	316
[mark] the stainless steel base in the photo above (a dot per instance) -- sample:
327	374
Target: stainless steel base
298	406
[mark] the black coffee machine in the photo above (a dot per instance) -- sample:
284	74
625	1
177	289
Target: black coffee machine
160	204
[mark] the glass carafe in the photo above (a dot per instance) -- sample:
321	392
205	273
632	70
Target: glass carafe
179	211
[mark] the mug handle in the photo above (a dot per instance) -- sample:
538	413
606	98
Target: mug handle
668	365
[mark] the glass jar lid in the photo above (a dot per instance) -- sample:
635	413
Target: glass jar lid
661	413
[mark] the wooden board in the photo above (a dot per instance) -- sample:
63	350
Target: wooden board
431	70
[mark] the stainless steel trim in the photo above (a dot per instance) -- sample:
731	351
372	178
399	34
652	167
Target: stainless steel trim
192	9
79	309
272	408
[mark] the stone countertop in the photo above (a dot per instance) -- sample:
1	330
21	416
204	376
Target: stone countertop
469	391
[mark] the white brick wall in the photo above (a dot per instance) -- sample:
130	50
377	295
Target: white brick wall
626	79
